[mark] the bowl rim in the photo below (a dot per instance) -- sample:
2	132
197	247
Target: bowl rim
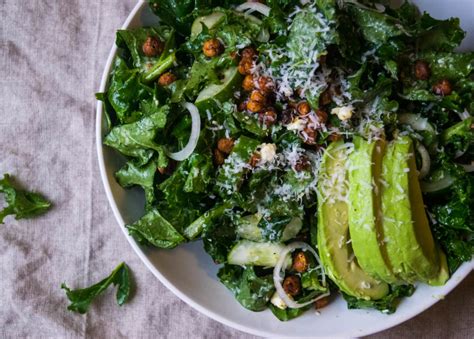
461	273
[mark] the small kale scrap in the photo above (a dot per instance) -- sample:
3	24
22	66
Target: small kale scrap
252	291
21	203
82	298
387	304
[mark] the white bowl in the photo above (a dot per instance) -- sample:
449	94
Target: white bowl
195	281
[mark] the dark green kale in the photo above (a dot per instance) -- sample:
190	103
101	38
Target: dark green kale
82	298
288	313
251	290
20	203
387	304
156	230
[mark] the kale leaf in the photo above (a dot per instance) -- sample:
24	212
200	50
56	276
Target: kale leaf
387	304
21	203
82	298
251	291
288	313
156	230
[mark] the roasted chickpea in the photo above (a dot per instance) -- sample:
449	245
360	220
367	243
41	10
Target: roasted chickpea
292	285
335	137
325	98
300	262
268	118
212	48
254	159
303	108
168	169
225	145
242	106
254	106
152	47
443	87
248	83
245	66
309	135
166	79
265	84
320	303
322	116
218	157
286	116
422	70
301	165
248	53
258	96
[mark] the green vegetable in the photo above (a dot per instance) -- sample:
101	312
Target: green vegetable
156	230
288	313
82	298
21	203
387	304
251	291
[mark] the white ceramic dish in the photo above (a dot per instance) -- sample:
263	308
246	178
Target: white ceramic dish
196	283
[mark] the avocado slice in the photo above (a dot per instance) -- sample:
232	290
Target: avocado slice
365	213
408	239
335	250
207	98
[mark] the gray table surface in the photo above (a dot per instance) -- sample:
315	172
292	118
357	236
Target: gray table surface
52	54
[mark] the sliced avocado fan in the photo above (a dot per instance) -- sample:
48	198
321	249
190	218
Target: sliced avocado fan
410	245
365	213
334	245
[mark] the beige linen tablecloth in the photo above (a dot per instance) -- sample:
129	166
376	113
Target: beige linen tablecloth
51	59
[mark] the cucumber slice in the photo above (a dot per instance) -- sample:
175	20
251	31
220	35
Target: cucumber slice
219	92
247	228
247	252
210	21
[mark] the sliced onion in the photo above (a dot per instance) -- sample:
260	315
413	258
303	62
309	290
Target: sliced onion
464	115
468	167
425	161
193	138
254	7
429	187
277	278
417	122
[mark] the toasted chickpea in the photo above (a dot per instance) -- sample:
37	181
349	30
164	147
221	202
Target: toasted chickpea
225	145
287	116
265	84
335	137
245	66
152	47
212	48
242	106
218	157
168	169
443	87
300	262
254	106
309	135
322	116
292	285
248	53
166	79
321	303
254	159
248	83
303	108
422	70
325	98
301	165
258	96
268	118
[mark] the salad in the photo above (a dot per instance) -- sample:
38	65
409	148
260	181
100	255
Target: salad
315	147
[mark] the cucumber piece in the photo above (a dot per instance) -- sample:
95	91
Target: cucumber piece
247	252
210	21
219	92
247	228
